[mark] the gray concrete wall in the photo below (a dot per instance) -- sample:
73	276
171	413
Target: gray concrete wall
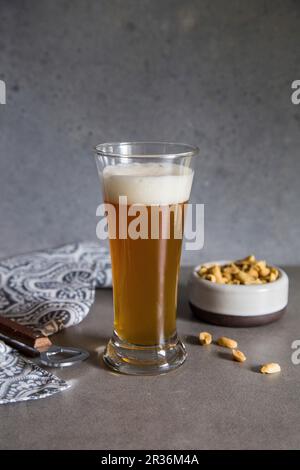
210	72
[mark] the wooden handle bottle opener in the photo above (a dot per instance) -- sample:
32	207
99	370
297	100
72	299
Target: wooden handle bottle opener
32	343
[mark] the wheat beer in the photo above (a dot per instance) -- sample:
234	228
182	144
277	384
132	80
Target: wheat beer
145	269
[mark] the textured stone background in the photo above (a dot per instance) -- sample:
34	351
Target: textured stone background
209	72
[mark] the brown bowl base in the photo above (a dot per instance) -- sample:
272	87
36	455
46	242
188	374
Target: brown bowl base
233	320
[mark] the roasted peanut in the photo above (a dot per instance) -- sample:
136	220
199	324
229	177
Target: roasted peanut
273	274
245	278
253	272
210	277
238	356
270	368
227	342
246	271
232	268
261	264
216	271
245	268
246	261
202	270
262	268
205	338
250	259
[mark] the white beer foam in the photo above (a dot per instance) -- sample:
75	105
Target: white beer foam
148	183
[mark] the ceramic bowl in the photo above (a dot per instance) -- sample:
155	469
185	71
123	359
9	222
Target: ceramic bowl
237	305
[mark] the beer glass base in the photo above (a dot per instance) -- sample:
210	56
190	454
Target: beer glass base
131	359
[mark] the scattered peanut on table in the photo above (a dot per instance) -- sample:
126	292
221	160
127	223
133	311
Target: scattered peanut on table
205	338
227	342
270	368
238	356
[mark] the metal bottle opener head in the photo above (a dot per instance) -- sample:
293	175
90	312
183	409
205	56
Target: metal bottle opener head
69	356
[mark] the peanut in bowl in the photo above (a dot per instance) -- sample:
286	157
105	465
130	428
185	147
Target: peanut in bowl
250	302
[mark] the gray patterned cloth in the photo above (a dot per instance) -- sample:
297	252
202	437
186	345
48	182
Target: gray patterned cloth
48	290
22	380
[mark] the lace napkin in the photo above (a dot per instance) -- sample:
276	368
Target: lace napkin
48	290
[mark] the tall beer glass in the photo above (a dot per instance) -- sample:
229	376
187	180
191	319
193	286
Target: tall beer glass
146	186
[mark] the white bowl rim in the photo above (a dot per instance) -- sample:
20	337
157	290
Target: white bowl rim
283	278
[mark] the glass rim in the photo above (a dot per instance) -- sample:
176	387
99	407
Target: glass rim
187	150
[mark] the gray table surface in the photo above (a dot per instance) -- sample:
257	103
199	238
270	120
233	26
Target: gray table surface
210	402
